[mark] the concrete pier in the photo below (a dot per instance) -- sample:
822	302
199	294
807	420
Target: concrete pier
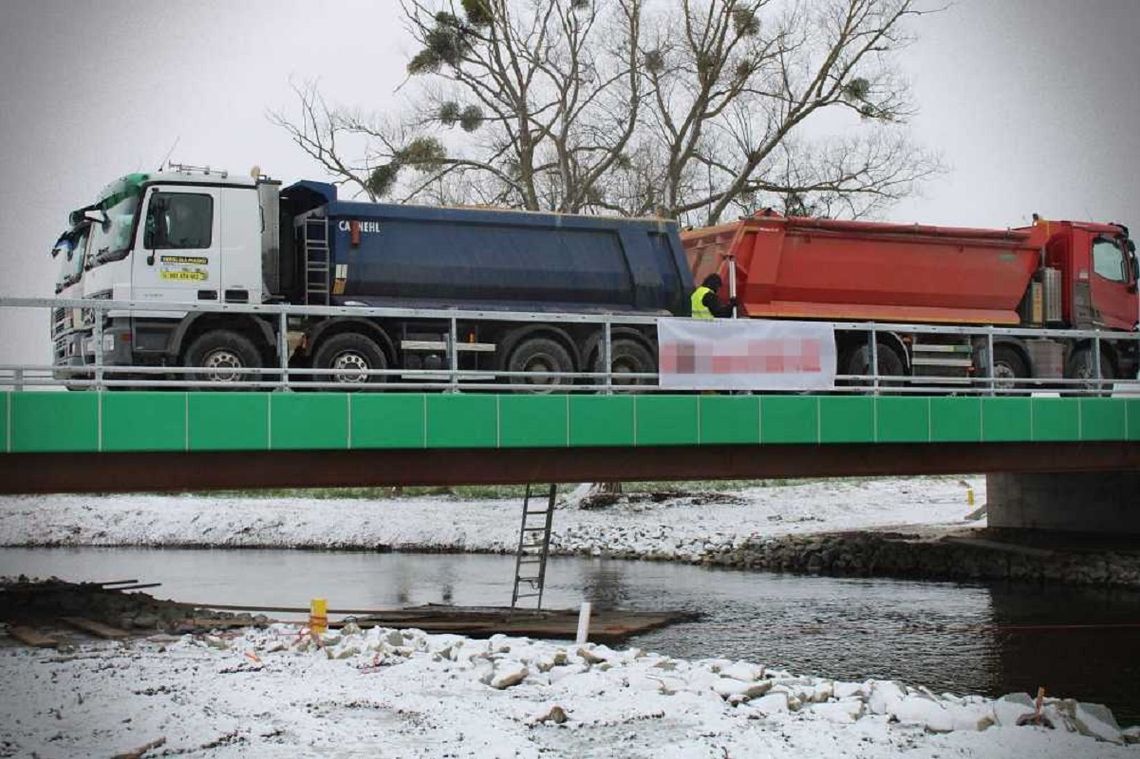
1097	502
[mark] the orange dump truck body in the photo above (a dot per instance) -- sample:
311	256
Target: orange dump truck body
801	268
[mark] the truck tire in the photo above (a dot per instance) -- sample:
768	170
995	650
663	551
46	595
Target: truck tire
627	357
540	354
350	351
1081	366
226	353
858	361
1009	366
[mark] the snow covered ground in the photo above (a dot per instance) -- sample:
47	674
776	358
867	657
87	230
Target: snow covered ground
388	693
682	528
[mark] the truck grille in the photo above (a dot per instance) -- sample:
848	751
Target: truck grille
59	323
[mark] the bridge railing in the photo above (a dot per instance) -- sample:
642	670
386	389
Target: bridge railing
93	370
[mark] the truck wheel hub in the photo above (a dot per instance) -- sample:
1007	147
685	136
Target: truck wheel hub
622	367
224	364
539	365
351	362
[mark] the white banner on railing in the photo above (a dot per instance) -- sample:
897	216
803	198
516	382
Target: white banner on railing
746	354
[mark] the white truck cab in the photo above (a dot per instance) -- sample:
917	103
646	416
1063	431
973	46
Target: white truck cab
178	236
181	235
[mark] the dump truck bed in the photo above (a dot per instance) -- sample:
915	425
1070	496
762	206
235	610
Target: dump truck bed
843	270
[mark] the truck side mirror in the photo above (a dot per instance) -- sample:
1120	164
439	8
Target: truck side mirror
97	216
154	226
148	236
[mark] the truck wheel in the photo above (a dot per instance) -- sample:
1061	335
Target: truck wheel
627	357
858	361
1009	366
1082	366
353	354
225	354
538	355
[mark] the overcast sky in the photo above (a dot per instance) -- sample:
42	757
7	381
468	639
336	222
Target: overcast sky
1033	105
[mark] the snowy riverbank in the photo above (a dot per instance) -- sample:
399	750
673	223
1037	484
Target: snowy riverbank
685	527
907	528
389	693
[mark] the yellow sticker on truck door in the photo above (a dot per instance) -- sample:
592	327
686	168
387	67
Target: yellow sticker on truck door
184	268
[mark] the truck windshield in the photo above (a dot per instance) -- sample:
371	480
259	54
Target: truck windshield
120	201
1109	261
70	251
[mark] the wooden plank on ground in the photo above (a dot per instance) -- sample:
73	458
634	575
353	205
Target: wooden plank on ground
92	627
30	637
605	626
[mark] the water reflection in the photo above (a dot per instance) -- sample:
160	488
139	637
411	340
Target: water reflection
602	584
1071	642
949	637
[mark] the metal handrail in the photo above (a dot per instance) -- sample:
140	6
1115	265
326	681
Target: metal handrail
99	375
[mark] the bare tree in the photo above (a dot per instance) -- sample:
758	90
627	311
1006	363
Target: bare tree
740	87
525	104
636	107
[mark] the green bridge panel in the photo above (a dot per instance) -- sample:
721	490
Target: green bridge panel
246	418
48	422
228	421
729	420
141	421
534	421
1007	420
462	421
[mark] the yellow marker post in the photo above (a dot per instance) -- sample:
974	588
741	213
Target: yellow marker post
318	616
969	496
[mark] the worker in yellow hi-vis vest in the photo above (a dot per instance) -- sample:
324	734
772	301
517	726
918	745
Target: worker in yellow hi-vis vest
705	304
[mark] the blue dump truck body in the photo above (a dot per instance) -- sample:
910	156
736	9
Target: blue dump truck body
417	256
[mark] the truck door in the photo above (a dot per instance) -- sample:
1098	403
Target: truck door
241	220
177	258
1113	285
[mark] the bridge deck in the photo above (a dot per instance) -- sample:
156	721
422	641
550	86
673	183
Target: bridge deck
38	422
152	441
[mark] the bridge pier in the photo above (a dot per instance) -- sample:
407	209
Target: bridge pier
1097	502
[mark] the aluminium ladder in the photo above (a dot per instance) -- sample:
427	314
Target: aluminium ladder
315	231
534	548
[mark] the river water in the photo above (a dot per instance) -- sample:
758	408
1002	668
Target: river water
963	638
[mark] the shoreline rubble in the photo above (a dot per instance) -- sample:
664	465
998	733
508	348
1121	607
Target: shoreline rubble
540	697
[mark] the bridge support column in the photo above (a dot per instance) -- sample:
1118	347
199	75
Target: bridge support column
1102	502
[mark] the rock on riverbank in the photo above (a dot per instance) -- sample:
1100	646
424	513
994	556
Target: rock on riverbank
406	693
953	557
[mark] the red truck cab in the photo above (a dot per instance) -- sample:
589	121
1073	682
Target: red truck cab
1099	269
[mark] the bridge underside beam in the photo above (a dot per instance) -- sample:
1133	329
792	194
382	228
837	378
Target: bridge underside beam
1094	502
134	472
